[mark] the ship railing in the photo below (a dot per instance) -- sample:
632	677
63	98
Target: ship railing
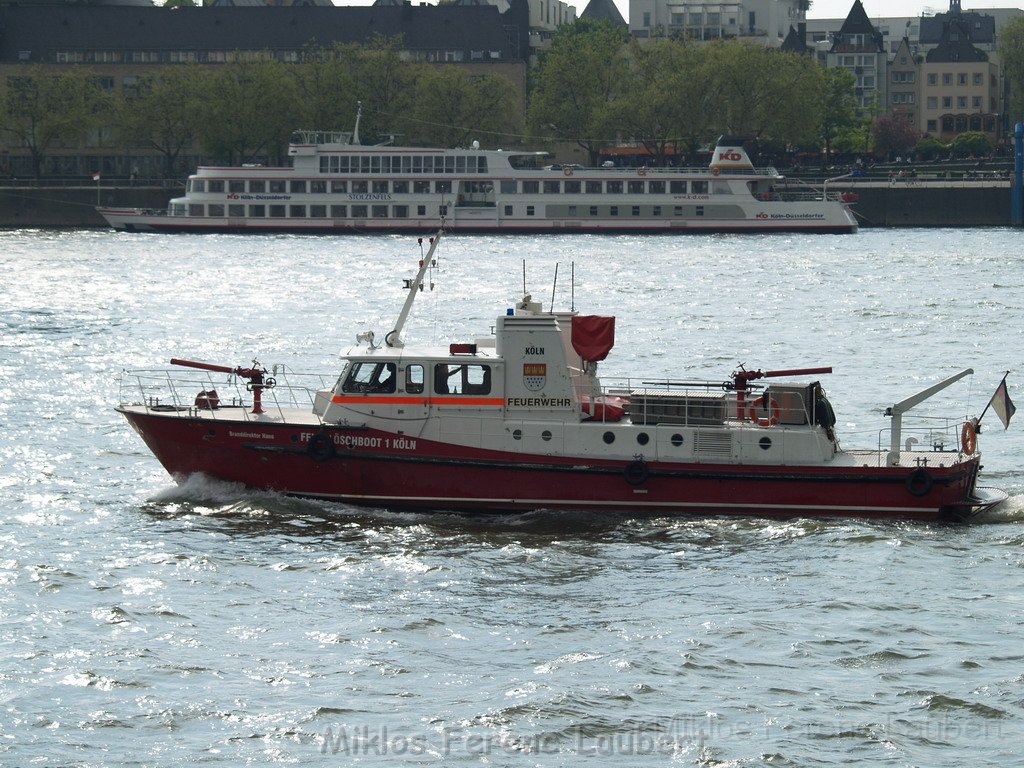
698	170
926	437
218	395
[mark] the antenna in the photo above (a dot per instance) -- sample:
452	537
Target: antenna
524	277
359	114
394	336
572	286
553	286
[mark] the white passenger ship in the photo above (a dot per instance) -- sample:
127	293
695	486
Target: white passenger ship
338	185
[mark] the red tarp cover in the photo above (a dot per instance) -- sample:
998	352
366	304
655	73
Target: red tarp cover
593	336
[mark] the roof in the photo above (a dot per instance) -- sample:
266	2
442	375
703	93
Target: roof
43	30
603	10
858	23
795	42
955	44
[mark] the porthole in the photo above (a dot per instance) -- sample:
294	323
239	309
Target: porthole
765	443
609	437
677	440
517	434
545	435
643	438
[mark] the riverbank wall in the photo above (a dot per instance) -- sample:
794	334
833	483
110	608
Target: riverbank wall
880	203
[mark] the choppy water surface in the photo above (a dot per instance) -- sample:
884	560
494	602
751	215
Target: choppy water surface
147	624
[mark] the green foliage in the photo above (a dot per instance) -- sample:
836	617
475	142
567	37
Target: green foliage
575	82
382	81
1011	54
39	107
452	108
839	106
161	113
929	148
972	144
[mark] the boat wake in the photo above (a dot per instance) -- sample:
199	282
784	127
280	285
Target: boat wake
1011	510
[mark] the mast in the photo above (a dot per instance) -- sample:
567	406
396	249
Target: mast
394	336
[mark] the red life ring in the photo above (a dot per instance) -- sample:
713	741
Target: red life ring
567	171
715	171
968	438
773	412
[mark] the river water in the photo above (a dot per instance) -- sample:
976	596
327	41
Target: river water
146	624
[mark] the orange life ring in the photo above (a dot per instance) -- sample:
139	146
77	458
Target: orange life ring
968	437
715	171
567	171
642	170
773	412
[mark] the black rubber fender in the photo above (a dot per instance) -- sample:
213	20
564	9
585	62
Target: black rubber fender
636	472
320	447
919	482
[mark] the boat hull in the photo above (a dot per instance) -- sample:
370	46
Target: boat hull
374	468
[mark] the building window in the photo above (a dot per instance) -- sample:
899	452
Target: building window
947	78
961	78
933	102
978	78
947	102
961	102
933	79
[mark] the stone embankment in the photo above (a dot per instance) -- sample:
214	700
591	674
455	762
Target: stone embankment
25	204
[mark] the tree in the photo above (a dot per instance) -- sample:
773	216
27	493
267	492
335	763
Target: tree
325	94
247	111
453	108
839	106
665	104
382	81
893	135
39	107
1011	54
972	144
574	83
163	112
928	148
765	93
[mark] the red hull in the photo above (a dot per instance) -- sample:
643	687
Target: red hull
376	468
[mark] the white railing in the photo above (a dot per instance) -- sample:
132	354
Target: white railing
217	394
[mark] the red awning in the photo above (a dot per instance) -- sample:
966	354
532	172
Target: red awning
593	336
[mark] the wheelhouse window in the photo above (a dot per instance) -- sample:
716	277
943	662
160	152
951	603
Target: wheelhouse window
370	377
462	379
414	379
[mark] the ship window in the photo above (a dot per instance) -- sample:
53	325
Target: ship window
614	187
215	209
364	164
344	164
414	379
721	188
656	187
195	210
406	164
613	211
442	210
339	211
572	210
698	187
379	211
460	164
677	210
375	164
257	211
636	210
531	187
236	210
529	210
481	164
400	211
177	209
449	165
700	210
421	210
318	211
443	186
593	187
417	163
508	187
677	187
370	377
339	186
358	211
636	187
325	164
593	210
258	186
318	187
552	187
298	185
198	185
216	185
380	187
297	211
236	185
572	187
400	187
462	379
508	210
421	187
361	187
656	211
277	187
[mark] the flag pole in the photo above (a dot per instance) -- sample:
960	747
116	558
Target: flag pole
989	405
